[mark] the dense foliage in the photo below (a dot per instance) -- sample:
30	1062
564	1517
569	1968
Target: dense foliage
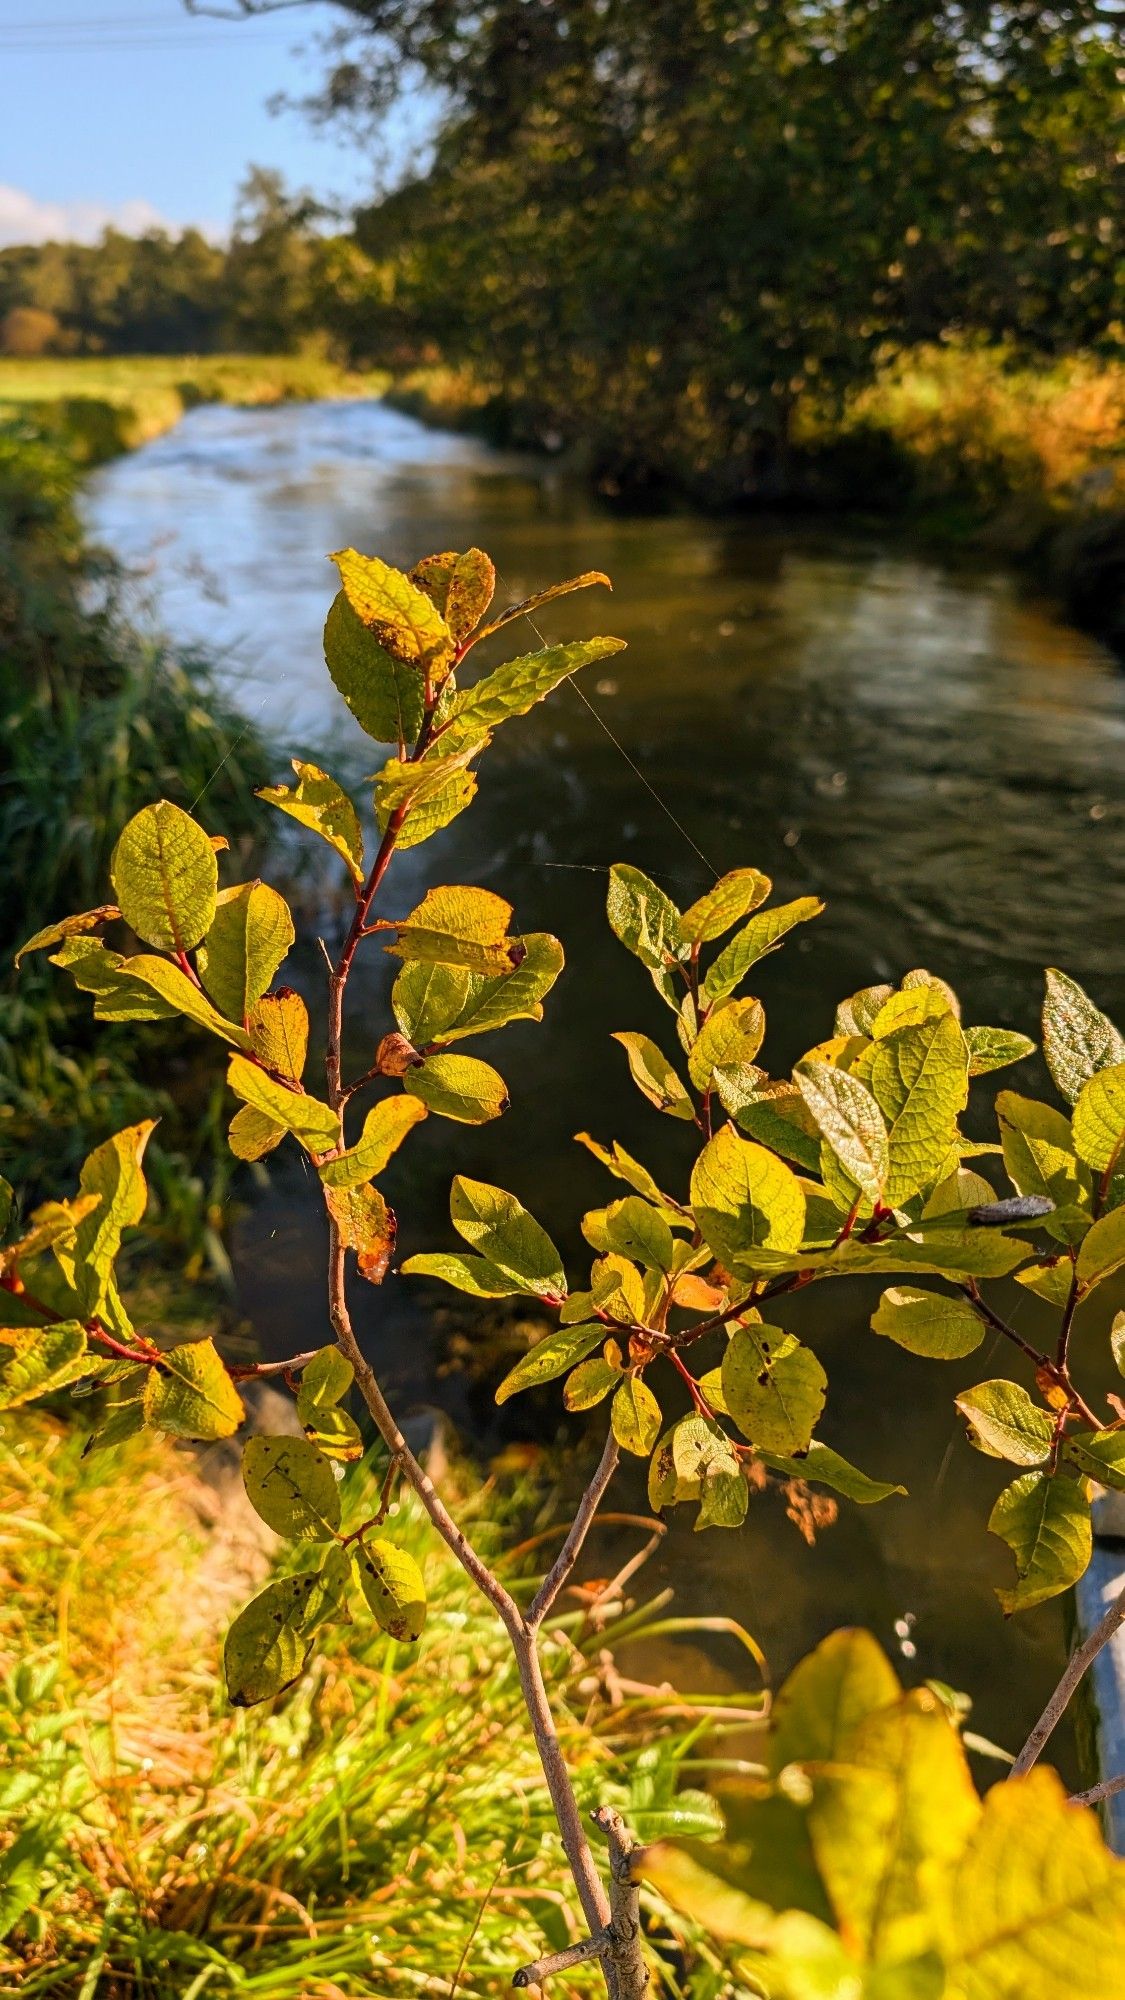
654	224
856	1164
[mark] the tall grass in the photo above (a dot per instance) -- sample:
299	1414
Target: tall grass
382	1829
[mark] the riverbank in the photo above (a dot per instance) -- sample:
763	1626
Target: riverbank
960	446
94	408
326	1841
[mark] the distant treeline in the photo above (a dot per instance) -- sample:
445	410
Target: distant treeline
282	282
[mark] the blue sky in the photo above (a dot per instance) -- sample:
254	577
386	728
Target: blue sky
132	110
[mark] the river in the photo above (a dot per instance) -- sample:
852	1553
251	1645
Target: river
927	746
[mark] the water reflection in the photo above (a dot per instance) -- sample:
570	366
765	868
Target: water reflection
931	750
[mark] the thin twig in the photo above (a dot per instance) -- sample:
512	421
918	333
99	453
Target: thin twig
580	1527
562	1961
1108	1789
1075	1668
250	1371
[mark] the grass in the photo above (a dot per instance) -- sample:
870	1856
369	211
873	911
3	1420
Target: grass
381	1829
99	406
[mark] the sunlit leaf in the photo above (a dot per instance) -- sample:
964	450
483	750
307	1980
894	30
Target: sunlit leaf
366	1226
114	1173
851	1121
165	874
392	1583
191	1395
1078	1039
1099	1119
549	1358
1102	1251
634	1228
499	1228
385	695
761	935
461	586
590	1383
928	1323
447	1003
279	1032
35	1361
733	897
514	689
402	618
995	1048
827	1468
648	924
68	927
251	1134
546	596
318	802
1046	1524
920	1077
459	1087
1040	1159
731	1036
248	938
744	1199
384	1129
773	1387
635	1416
1005	1423
314	1123
269	1644
293	1487
655	1077
474	1275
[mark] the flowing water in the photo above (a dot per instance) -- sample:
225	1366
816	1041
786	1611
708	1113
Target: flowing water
926	746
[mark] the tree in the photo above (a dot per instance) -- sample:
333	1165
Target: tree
856	1164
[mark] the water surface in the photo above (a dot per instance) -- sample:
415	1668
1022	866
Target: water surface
928	747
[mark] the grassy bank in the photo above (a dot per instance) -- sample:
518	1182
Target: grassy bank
97	407
381	1828
962	444
98	719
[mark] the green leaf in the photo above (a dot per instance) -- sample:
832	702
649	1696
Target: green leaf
648	924
696	1461
386	697
654	1076
474	1275
618	1289
633	1228
857	1015
500	1229
251	1135
1103	1250
1050	1279
729	1038
384	1129
745	1199
160	976
315	1124
547	596
826	1697
1035	1906
928	1323
68	927
773	1387
1040	1159
995	1048
34	1361
113	1172
515	688
777	1116
635	1416
459	1087
913	1005
268	1646
460	926
191	1395
1078	1040
166	877
920	1077
406	623
319	803
101	972
325	1380
279	1032
1098	1455
461	586
625	1168
444	1003
1099	1119
248	938
424	796
977	1253
392	1583
1117	1342
1003	1422
293	1487
828	1468
549	1358
366	1226
733	897
590	1383
761	935
851	1122
1046	1524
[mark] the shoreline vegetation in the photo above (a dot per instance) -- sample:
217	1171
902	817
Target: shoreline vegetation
963	446
167	1846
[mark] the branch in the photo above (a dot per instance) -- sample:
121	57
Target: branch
580	1527
624	1952
1108	1789
252	1371
562	1961
1076	1666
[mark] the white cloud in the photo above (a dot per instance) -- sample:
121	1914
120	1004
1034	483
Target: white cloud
24	219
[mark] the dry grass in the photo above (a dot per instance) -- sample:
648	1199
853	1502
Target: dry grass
382	1829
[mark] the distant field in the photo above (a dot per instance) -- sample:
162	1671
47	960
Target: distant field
100	406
